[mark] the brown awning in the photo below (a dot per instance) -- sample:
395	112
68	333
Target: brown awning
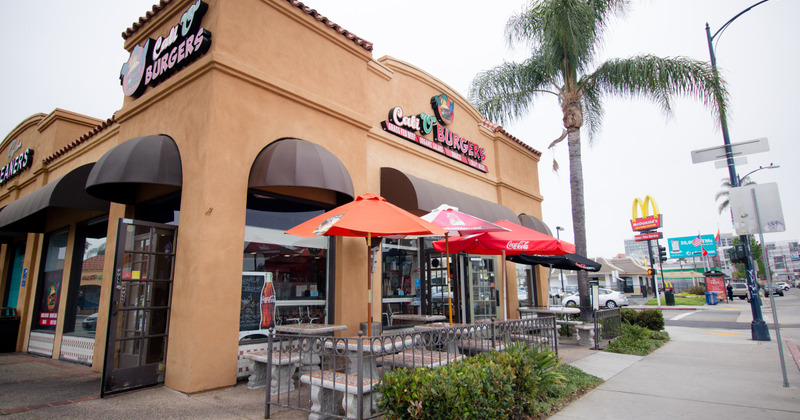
420	196
30	212
137	170
534	223
300	169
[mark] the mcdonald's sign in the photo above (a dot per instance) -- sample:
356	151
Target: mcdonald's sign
646	221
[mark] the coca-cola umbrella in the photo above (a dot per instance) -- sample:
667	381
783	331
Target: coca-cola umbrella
370	215
517	240
452	220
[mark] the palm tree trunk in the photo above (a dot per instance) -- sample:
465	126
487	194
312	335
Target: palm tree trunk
578	216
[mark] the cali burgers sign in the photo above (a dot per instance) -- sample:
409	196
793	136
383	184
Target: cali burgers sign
155	61
445	141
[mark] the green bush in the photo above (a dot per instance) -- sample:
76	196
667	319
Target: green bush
514	384
637	340
697	289
651	319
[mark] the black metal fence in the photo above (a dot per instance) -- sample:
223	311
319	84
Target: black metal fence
611	322
336	377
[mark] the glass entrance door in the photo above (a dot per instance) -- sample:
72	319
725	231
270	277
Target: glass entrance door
435	293
483	291
136	348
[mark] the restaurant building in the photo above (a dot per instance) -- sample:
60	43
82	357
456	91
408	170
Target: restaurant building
150	245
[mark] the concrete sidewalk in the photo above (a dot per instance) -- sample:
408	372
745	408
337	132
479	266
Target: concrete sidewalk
698	374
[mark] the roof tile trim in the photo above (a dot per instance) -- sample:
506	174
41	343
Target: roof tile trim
83	138
496	128
307	10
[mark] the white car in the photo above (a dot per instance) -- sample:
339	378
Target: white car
783	285
608	298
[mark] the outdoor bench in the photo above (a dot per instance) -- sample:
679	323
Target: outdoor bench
282	367
326	383
480	346
527	338
414	358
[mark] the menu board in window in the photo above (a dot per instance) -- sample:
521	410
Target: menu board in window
258	302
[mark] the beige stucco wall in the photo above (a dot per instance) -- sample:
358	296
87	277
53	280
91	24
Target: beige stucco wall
273	72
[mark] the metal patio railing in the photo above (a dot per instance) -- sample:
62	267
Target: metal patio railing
336	377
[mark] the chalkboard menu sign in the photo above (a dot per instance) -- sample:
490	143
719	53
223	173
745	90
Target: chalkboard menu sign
258	301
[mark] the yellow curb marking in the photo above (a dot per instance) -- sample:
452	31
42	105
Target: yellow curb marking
721	333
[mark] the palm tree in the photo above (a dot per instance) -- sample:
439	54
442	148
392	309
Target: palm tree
564	36
724	193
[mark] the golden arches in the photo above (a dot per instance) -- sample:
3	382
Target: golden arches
643	205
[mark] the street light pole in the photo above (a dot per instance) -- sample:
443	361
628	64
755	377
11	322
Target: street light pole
560	271
758	328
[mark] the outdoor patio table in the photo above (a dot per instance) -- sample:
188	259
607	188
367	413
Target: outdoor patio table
457	330
414	319
557	311
526	312
310	358
372	348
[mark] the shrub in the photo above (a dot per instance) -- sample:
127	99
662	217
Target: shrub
514	384
697	289
651	319
637	340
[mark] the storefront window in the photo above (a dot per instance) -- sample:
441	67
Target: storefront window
297	266
485	298
401	278
526	295
16	260
84	293
49	290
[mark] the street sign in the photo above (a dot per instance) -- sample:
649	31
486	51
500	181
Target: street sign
737	149
769	209
722	164
648	236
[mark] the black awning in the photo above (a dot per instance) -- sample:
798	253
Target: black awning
301	169
420	196
30	212
564	262
136	170
534	223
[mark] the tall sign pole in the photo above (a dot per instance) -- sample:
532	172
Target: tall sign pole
647	225
758	328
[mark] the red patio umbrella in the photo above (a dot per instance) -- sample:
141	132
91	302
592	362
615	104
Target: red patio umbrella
517	240
452	220
370	215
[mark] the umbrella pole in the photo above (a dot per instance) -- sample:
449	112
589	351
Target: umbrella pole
369	285
505	288
449	294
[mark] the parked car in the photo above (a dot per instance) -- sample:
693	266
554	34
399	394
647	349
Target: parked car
775	288
739	290
783	285
90	322
608	298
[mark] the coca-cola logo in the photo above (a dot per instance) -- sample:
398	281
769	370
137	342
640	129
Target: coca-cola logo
268	299
517	244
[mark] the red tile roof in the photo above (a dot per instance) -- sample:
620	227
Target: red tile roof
499	129
86	136
307	10
94	263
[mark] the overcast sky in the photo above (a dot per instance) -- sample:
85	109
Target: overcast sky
68	55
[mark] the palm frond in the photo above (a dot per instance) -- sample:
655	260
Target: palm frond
507	91
593	111
660	79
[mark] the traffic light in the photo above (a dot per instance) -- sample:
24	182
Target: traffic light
651	272
736	254
662	253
